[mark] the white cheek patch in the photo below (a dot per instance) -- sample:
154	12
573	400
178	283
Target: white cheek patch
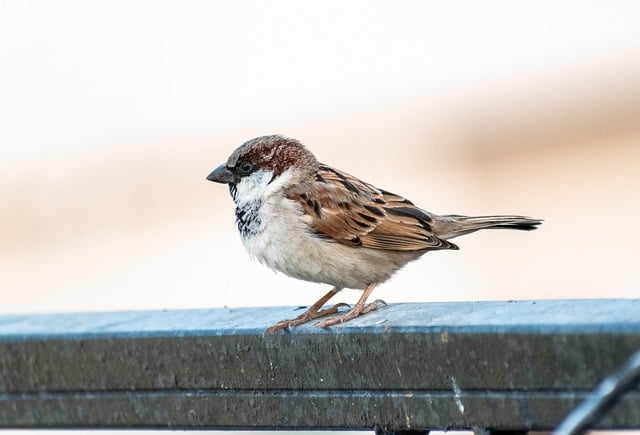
278	183
259	186
250	189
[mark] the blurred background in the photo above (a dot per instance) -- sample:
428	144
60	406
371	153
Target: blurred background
112	113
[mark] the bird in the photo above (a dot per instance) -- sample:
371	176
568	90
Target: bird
316	223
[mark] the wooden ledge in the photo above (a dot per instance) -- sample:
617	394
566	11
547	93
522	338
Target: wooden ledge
507	365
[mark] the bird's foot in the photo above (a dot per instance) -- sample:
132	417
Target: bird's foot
373	306
350	315
309	315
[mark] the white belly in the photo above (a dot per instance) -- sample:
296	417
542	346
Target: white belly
285	244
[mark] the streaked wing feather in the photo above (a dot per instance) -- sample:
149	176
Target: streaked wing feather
342	208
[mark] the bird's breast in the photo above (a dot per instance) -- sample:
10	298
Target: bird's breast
277	235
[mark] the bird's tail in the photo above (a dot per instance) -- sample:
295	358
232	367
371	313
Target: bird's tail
450	226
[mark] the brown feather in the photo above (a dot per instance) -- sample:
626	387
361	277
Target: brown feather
355	213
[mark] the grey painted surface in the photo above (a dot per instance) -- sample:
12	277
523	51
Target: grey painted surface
545	315
441	365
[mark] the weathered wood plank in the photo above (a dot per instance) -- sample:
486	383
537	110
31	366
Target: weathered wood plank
279	410
512	365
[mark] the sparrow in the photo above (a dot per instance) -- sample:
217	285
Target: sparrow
316	223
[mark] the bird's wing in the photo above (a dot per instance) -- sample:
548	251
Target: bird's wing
342	208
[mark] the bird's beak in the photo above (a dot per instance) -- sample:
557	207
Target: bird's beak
221	174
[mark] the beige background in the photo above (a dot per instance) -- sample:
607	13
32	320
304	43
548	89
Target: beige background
113	113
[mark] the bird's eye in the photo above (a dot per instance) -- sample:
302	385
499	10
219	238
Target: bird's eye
245	167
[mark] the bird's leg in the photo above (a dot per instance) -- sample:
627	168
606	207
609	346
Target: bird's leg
313	312
358	309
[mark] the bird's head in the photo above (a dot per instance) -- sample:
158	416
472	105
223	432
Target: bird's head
264	165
